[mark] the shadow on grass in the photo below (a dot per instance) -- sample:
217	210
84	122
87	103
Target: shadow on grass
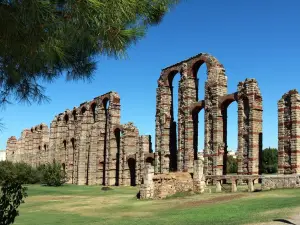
284	221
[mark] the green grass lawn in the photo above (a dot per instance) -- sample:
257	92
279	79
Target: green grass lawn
89	205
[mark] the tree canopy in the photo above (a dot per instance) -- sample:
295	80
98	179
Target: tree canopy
42	39
270	160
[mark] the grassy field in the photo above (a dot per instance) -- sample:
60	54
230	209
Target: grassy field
90	205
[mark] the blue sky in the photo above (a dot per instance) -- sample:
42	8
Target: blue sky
254	39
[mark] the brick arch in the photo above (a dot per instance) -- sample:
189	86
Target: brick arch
226	100
197	107
132	156
209	60
118	127
167	77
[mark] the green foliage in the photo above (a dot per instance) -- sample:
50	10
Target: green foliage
231	165
12	191
12	195
53	175
21	172
42	39
270	160
14	175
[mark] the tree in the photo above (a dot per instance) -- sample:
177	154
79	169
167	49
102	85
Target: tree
41	40
270	160
53	174
231	165
12	192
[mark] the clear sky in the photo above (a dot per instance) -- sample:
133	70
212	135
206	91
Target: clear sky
252	39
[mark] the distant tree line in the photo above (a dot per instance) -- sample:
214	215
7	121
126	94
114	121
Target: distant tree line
269	162
13	177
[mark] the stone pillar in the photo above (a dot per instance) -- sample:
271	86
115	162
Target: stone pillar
188	96
147	186
93	153
114	120
163	121
156	163
250	185
218	186
198	176
233	185
82	147
289	133
249	127
215	87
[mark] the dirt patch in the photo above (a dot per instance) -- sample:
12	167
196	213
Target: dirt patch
83	206
218	199
47	198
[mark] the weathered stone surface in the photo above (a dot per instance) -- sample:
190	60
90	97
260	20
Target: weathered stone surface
158	186
89	142
289	133
177	141
280	181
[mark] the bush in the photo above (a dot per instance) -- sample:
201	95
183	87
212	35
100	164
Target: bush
231	165
20	172
52	174
270	160
12	192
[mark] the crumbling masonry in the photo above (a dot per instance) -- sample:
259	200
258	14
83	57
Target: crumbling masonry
94	148
89	142
289	133
177	141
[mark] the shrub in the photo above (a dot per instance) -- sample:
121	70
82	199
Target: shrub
231	165
52	174
12	191
270	160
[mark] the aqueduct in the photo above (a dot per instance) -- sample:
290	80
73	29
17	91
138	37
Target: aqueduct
89	142
178	152
93	147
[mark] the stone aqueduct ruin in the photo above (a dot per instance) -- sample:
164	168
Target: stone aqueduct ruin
94	148
215	104
90	143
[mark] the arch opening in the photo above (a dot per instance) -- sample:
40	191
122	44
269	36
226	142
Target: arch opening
66	118
174	81
118	142
73	161
230	136
199	73
93	108
74	115
132	166
83	110
150	160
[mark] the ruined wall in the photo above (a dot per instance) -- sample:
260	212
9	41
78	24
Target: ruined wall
31	147
158	186
89	143
289	133
280	181
249	127
175	140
